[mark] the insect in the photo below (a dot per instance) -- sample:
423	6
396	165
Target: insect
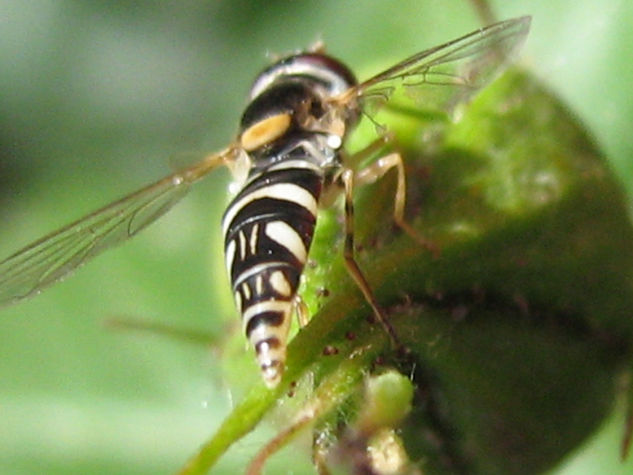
287	158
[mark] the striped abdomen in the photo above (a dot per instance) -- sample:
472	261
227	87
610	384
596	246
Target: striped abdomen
268	228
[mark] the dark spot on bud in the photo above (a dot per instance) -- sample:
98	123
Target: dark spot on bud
322	292
330	350
459	313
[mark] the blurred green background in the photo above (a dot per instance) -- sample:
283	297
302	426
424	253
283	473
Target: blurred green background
95	97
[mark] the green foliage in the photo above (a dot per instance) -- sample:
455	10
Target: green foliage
518	329
96	97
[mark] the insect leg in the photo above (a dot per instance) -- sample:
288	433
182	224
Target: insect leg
377	170
370	150
347	177
301	310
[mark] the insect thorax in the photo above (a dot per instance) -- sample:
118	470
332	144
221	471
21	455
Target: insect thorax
293	100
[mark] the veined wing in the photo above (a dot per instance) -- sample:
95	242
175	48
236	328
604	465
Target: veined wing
56	255
440	78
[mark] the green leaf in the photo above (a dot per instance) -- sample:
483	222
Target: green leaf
519	327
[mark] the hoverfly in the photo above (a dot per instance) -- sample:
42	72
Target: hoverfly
287	156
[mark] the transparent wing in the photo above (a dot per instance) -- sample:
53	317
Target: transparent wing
56	255
440	78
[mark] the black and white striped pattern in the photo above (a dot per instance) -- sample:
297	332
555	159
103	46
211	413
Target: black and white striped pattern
268	229
290	136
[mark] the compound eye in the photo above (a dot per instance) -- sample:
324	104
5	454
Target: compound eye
265	131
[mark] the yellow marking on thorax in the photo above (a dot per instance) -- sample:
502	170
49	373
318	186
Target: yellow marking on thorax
264	131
